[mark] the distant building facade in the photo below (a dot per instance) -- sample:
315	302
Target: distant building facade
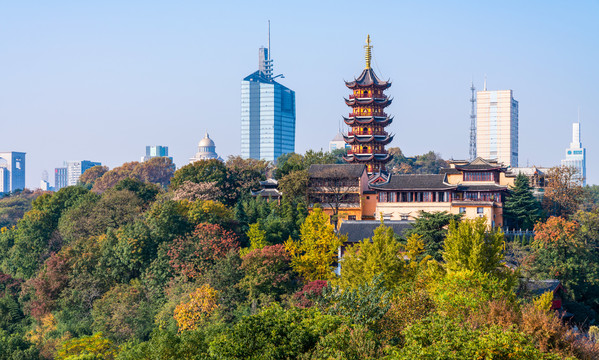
576	155
155	151
12	171
267	114
338	142
497	126
76	168
60	178
206	150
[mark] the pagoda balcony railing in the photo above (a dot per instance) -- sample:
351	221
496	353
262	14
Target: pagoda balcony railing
367	152
361	132
365	113
367	97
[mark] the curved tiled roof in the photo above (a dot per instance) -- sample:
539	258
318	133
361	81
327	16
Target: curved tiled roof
336	170
415	182
359	230
366	79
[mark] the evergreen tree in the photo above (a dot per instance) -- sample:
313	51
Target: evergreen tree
521	209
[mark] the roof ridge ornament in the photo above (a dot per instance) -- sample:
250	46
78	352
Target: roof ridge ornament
368	48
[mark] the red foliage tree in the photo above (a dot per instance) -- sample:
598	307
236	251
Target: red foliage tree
310	290
192	255
45	288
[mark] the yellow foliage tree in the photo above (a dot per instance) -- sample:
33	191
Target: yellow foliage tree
92	347
202	302
381	255
313	255
544	301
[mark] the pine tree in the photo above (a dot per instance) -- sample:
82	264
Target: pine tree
521	210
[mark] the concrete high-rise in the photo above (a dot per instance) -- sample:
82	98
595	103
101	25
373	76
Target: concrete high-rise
76	168
12	171
267	113
497	126
576	155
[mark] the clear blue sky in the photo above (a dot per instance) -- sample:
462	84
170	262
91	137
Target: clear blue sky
100	80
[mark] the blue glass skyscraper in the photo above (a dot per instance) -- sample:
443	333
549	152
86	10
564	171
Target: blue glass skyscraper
267	114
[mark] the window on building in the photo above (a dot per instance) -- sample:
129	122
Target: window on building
478	176
462	210
351	217
403	217
480	210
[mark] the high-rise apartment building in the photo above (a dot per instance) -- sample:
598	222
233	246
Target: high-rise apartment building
576	155
267	113
155	151
60	178
497	126
76	168
12	171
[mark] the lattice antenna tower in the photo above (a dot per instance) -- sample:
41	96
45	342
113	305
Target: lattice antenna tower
473	122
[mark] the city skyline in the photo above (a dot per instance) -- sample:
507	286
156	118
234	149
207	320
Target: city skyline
102	81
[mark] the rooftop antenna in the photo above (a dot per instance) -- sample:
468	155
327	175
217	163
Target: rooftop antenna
485	87
472	122
269	51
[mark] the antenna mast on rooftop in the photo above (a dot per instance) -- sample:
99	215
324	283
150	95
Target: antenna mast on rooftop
473	123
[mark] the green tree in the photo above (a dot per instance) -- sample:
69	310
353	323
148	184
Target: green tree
294	185
313	255
370	258
208	171
432	227
470	246
521	210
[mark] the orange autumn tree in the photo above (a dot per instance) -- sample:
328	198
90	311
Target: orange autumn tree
559	253
202	302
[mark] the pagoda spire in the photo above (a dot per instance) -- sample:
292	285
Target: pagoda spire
368	54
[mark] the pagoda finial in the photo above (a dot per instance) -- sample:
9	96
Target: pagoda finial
368	48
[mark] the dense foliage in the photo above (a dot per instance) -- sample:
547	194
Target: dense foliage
141	262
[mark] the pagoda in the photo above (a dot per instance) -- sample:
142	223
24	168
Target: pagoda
368	120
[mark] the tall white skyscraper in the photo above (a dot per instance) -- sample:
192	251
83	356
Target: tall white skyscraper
576	155
497	126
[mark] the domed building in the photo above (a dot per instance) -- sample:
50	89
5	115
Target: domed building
206	150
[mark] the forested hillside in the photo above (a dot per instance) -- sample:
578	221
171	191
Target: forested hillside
145	262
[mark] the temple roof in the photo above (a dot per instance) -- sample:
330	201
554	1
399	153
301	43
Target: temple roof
415	182
363	139
324	171
479	164
367	79
358	230
482	187
365	120
368	101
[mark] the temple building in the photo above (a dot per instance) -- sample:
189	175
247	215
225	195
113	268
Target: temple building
206	150
368	120
474	189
